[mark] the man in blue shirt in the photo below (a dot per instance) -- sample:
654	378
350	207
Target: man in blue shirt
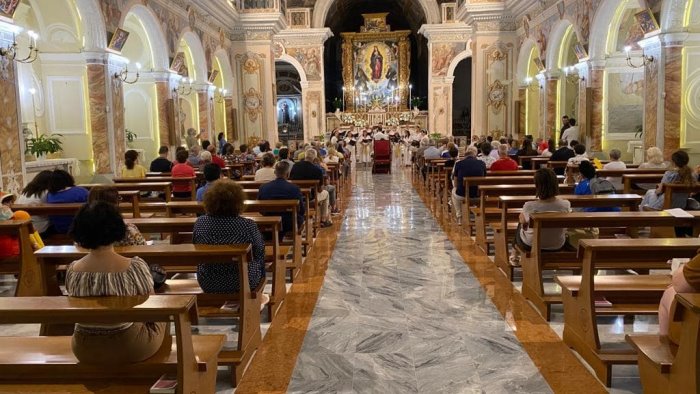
468	167
282	189
212	173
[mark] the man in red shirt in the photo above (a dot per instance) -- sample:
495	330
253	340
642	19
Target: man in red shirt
216	159
504	162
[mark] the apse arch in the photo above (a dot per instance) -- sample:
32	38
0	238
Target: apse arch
199	58
460	56
320	12
294	62
678	15
226	70
154	33
92	24
598	43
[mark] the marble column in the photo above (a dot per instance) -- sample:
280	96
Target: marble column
205	113
231	132
672	105
596	127
96	75
522	111
164	95
11	155
550	100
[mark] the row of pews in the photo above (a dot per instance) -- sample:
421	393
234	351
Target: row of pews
46	363
639	265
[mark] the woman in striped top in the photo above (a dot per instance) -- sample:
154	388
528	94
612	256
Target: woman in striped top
102	273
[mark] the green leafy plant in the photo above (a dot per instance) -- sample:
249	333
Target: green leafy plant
416	102
130	136
44	144
435	136
338	103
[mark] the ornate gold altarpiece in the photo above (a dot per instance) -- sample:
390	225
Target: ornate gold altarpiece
376	67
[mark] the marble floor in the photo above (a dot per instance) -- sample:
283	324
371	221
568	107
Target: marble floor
400	311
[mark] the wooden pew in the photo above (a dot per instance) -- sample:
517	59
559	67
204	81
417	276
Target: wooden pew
630	181
269	224
533	263
488	212
160	187
190	181
628	294
490	173
171	257
70	209
665	367
252	206
504	230
28	362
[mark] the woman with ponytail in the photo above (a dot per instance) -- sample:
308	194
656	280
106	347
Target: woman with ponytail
681	174
131	167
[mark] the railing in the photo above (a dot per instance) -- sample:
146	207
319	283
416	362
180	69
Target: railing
260	5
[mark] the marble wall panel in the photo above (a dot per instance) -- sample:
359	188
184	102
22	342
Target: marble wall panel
118	122
672	104
10	149
231	132
551	108
164	126
98	118
597	79
651	103
204	114
522	115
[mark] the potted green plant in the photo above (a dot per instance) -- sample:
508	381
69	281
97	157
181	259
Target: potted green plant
435	136
338	103
416	102
43	144
130	137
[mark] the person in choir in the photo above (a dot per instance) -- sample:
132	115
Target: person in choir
131	168
306	170
615	164
36	193
221	139
406	148
216	159
380	135
266	172
110	195
546	191
103	272
655	159
680	174
504	162
162	163
686	279
62	190
212	173
485	154
222	224
366	148
580	151
182	170
282	189
572	132
468	167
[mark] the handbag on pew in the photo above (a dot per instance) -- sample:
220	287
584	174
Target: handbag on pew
159	275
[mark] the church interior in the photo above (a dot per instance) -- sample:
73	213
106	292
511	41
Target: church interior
425	196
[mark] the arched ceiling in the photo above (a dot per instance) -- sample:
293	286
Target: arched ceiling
346	15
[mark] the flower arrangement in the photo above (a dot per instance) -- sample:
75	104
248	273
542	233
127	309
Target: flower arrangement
392	122
360	123
405	117
347	118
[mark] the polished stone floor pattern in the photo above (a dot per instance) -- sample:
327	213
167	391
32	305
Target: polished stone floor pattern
400	311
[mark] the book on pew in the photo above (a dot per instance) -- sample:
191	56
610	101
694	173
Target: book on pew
167	384
679	213
231	306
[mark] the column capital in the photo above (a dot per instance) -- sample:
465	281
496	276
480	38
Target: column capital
259	26
448	32
303	37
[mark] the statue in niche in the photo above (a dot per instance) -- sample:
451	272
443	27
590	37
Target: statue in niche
376	64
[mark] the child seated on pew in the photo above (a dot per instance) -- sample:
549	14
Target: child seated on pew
546	191
103	273
590	184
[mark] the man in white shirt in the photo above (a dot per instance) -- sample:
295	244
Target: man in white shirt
572	133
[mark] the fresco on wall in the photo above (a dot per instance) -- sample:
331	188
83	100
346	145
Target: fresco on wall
629	32
310	60
442	56
625	97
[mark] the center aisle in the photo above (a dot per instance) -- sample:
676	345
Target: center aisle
400	311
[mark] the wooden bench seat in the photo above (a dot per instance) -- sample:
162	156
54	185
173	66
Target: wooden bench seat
580	311
26	361
136	185
666	367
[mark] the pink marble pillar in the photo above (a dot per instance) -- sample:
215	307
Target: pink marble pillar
98	118
583	111
10	149
118	121
204	114
551	108
522	115
651	102
596	127
163	96
231	134
673	87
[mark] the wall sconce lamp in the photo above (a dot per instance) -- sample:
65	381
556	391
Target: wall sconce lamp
220	95
124	74
532	84
572	75
185	88
645	59
10	52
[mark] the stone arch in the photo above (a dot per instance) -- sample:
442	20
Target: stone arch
226	70
556	43
430	9
158	42
199	58
294	62
598	43
524	59
460	56
92	24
